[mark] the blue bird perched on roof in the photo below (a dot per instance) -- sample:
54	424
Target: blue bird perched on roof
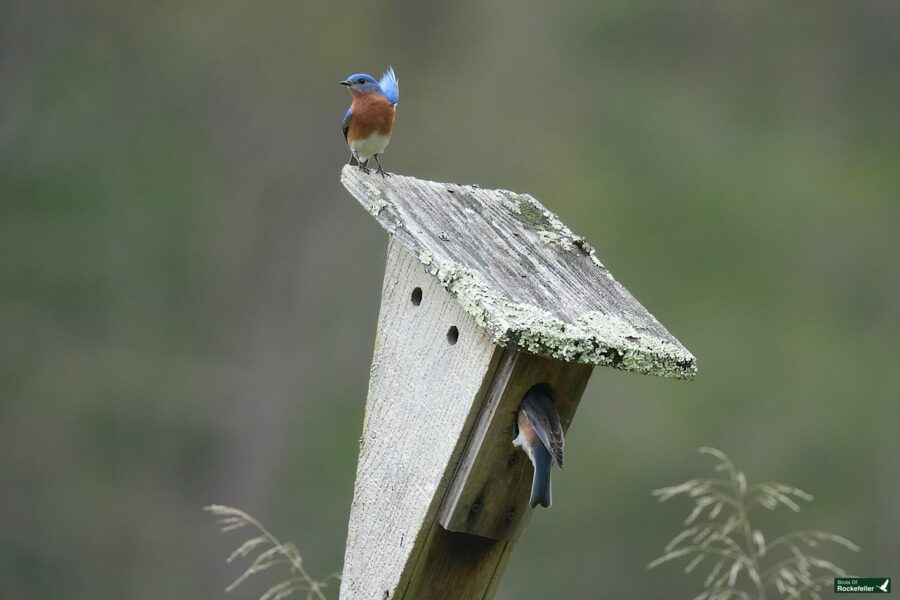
369	121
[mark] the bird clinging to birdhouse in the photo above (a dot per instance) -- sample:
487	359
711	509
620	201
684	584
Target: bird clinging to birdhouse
540	435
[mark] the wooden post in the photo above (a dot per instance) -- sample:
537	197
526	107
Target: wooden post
424	393
485	294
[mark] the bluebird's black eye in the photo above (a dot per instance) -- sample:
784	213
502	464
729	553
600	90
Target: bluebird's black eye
360	80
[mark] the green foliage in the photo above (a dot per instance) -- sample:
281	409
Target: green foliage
746	566
270	552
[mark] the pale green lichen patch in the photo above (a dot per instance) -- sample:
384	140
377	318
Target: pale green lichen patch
373	191
377	206
592	338
549	227
552	237
533	216
392	212
512	204
425	257
556	224
563	237
378	200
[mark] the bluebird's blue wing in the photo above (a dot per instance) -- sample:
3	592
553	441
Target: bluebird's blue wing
345	124
542	414
390	86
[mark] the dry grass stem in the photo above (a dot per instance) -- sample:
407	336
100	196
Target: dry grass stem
745	564
271	553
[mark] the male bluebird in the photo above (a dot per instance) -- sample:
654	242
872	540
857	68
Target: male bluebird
369	121
540	435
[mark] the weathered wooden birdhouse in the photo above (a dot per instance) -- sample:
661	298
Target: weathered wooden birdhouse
486	293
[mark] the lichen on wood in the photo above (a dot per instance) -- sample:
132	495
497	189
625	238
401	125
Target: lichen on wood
521	273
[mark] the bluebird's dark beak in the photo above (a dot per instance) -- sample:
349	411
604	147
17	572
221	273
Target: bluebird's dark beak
346	82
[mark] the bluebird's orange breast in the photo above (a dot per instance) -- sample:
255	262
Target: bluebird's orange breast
372	114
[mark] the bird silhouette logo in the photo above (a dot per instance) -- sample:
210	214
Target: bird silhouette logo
884	586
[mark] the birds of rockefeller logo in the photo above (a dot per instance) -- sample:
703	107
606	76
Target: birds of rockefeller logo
862	585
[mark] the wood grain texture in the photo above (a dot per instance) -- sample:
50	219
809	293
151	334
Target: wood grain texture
458	565
490	491
424	394
524	276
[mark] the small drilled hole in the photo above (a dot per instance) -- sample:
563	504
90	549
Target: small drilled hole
452	335
416	297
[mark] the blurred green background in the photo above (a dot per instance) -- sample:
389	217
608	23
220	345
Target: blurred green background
188	296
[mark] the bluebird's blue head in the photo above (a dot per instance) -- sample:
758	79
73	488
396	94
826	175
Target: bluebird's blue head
387	86
362	84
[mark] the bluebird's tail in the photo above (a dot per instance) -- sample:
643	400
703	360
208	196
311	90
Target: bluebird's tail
540	485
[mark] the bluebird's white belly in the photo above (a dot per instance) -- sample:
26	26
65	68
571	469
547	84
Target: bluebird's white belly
370	146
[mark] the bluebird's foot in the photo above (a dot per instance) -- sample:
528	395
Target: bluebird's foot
380	170
363	166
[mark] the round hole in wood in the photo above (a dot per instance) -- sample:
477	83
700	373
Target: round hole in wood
416	297
452	335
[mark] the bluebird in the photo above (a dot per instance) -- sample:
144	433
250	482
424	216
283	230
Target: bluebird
539	433
369	121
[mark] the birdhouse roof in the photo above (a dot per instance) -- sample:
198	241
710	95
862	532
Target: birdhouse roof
524	276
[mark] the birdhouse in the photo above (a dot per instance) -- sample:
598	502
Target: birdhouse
486	293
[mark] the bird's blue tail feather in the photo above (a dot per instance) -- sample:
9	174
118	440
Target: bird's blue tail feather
540	485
